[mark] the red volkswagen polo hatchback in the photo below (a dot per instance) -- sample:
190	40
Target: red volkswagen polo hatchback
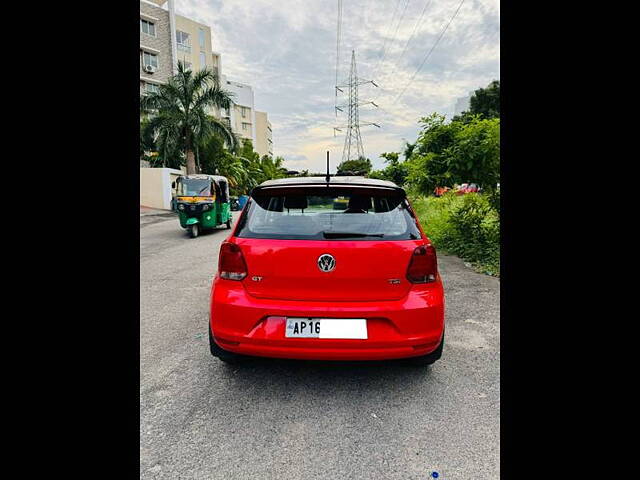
337	270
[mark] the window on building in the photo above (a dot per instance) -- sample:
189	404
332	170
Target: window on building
151	88
203	60
244	112
201	38
147	27
246	127
149	59
187	65
184	41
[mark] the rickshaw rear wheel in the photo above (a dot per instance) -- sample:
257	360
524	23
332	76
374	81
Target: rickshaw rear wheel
194	230
228	223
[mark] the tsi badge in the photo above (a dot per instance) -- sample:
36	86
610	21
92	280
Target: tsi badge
326	262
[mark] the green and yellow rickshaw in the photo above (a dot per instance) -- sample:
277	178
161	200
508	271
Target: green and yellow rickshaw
202	202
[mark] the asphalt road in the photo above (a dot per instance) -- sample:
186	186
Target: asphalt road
277	419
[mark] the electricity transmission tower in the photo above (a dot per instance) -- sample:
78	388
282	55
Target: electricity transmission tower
353	148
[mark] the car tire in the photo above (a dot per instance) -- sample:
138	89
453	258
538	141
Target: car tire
223	355
428	359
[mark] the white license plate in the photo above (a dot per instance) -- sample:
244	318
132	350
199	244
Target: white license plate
326	328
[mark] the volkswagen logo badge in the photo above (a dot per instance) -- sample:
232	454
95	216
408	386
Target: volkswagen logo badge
326	262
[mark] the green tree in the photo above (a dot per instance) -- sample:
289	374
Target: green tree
177	112
158	147
395	171
245	149
361	166
475	155
456	152
216	160
390	157
272	167
147	142
486	101
408	150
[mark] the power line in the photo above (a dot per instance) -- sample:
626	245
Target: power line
394	35
386	35
338	41
415	28
429	53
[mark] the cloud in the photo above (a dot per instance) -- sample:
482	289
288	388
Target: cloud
286	50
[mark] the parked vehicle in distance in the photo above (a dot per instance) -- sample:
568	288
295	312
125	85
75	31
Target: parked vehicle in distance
467	188
298	279
439	191
202	202
235	205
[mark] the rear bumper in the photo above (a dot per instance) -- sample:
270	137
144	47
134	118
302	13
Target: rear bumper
410	327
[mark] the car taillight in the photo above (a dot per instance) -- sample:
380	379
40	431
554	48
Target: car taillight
231	263
423	266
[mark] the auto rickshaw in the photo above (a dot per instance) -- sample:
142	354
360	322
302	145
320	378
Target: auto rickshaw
340	203
202	202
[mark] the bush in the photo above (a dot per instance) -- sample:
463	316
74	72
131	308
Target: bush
467	226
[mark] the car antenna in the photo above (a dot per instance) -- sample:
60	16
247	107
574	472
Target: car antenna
328	176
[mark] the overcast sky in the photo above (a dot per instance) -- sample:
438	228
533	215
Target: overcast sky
286	49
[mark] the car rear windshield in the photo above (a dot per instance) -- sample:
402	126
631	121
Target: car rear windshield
329	214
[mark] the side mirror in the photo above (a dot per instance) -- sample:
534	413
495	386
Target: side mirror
173	184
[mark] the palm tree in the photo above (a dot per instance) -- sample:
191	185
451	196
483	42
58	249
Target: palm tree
233	168
177	112
272	168
216	160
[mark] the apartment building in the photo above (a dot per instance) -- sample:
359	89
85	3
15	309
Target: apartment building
244	120
156	62
193	43
264	134
190	42
216	63
241	116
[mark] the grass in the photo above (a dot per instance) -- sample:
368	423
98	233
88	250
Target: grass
465	225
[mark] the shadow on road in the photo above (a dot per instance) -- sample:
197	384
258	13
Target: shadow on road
204	233
279	378
180	232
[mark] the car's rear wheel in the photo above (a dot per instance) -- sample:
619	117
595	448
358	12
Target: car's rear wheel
429	358
221	354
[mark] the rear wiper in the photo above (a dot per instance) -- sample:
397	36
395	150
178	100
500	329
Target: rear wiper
350	235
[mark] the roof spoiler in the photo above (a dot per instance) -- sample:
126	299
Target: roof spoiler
333	183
